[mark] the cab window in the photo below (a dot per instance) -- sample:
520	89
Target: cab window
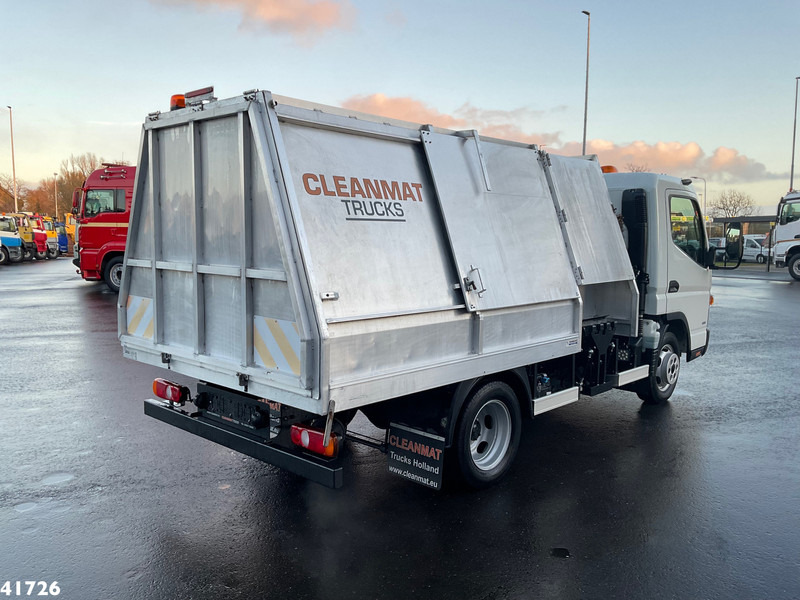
100	201
687	227
790	213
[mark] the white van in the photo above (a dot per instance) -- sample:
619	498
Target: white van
753	248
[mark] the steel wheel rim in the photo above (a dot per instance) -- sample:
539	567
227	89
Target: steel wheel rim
796	268
490	435
116	275
668	369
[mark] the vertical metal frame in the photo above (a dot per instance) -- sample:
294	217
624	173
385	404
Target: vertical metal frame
155	213
269	143
246	196
198	241
134	225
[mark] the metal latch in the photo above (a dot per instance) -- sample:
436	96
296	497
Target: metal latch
243	380
473	282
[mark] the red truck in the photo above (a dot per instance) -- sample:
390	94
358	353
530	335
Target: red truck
103	208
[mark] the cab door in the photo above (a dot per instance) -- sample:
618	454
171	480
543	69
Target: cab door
689	280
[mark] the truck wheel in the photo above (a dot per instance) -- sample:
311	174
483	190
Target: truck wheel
4	258
52	253
41	255
794	266
487	434
112	274
664	371
27	254
760	259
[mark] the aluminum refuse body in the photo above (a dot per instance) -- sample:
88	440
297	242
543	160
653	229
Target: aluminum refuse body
306	254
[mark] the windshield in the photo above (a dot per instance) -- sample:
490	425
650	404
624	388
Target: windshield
7	225
790	212
100	201
48	225
60	229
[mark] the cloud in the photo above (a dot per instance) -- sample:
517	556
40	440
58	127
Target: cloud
726	165
503	124
300	18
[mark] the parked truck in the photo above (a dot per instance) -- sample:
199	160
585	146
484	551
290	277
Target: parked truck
102	208
785	238
34	242
63	239
11	247
44	225
304	262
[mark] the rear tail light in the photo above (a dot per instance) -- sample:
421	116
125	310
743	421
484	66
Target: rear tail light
312	440
166	390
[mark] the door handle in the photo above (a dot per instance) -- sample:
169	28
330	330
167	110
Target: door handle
674	286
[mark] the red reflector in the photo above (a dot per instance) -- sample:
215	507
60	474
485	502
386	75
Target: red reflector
166	390
177	101
200	92
311	440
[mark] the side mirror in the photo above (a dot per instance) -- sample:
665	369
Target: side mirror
734	247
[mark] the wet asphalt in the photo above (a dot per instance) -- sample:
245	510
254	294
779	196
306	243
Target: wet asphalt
608	498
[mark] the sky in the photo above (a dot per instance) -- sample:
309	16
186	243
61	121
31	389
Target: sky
704	89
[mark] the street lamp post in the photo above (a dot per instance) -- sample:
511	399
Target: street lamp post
704	193
55	192
794	132
13	165
586	92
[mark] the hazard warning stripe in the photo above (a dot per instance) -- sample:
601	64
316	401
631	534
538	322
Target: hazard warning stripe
276	344
140	317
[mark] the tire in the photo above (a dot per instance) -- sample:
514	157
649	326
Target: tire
664	371
794	266
27	254
41	255
112	274
4	257
52	253
487	434
760	259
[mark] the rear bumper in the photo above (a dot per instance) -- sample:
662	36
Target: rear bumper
327	473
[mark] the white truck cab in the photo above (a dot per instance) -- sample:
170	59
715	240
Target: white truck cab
786	245
676	260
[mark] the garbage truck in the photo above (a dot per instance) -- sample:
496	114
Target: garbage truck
303	262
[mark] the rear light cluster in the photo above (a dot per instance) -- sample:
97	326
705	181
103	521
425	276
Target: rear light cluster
174	393
312	440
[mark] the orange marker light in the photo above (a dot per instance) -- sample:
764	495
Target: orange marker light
177	101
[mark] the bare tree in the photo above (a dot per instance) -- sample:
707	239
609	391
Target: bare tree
732	203
634	168
40	200
7	193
